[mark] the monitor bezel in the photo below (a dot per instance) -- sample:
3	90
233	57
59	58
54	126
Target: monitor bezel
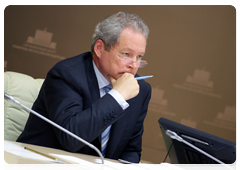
180	153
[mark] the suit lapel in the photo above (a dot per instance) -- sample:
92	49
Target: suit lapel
92	80
92	85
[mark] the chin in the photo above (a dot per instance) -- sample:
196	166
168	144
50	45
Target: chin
118	76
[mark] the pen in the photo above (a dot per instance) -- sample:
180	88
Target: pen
143	77
41	153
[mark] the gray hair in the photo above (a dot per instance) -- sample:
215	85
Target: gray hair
110	28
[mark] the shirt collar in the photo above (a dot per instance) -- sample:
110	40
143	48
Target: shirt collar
102	81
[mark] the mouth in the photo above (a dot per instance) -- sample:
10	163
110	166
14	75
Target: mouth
117	76
125	72
121	73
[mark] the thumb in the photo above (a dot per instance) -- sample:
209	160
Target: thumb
112	80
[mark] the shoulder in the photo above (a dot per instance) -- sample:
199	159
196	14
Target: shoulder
70	69
73	61
73	64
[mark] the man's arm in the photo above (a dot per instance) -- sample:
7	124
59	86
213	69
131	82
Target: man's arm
132	151
68	103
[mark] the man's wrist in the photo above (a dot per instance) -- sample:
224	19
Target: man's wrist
118	97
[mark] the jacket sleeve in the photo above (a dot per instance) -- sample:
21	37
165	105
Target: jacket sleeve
132	151
68	103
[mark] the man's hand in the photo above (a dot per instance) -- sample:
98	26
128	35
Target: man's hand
126	85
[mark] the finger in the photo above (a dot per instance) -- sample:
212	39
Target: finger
112	80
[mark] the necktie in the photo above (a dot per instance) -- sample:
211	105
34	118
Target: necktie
106	133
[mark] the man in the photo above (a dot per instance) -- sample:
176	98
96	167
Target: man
73	94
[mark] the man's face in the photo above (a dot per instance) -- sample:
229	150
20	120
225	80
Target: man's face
131	44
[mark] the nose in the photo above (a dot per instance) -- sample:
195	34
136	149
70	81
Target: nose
133	65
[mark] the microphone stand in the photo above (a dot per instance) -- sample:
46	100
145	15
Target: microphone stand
173	135
13	100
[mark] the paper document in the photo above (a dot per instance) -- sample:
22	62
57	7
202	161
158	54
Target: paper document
24	153
80	161
138	166
118	166
171	166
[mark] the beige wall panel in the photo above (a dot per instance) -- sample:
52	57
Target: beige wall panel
191	52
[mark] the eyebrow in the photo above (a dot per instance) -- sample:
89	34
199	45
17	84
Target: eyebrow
129	49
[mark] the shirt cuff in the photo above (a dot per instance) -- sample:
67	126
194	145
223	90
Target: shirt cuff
118	97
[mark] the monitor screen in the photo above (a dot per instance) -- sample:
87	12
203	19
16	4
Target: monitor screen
180	153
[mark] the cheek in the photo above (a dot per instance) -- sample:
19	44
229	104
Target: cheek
135	71
116	65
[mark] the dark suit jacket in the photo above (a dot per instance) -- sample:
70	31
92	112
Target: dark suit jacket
70	97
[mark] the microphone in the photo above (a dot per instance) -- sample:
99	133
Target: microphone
13	100
173	135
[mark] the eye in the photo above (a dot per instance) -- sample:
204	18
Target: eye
139	57
126	54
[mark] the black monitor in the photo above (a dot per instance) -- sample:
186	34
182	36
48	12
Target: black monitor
180	153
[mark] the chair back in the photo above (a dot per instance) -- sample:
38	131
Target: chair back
25	89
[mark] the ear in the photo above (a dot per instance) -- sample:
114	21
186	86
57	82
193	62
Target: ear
98	48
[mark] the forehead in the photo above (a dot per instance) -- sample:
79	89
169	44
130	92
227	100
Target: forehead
133	41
